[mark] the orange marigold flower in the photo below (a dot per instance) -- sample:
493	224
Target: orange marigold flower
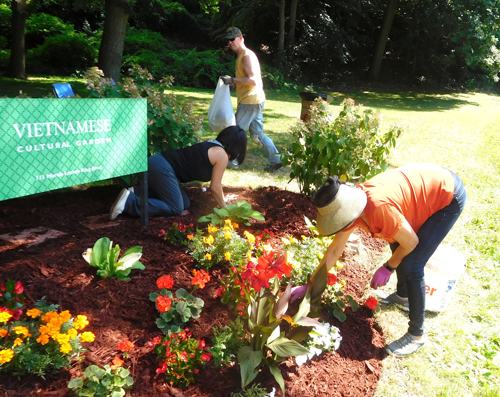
87	336
3	332
163	303
65	348
165	282
18	342
332	279
117	363
81	322
125	346
201	277
43	339
371	302
190	236
33	313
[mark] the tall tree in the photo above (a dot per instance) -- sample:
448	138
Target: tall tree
291	27
378	55
113	37
281	32
17	67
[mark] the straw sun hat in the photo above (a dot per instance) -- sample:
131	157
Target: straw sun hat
347	205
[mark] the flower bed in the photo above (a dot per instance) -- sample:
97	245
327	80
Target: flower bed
121	310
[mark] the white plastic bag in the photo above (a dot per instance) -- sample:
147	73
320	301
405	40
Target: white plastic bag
220	112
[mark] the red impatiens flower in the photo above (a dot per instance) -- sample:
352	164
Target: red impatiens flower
125	346
201	277
332	279
163	303
165	282
371	302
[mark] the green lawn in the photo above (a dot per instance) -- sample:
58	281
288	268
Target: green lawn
458	131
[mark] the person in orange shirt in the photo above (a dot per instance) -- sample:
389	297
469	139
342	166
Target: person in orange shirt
413	208
250	96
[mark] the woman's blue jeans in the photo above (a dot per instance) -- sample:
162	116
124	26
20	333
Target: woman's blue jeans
410	272
166	197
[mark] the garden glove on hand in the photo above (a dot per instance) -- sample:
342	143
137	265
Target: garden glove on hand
226	79
382	276
230	197
298	292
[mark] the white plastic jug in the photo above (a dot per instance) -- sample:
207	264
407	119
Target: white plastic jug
442	271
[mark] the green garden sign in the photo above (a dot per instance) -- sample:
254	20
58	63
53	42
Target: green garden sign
48	144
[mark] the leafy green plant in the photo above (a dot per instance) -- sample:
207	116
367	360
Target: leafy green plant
107	259
223	243
320	339
102	382
181	357
171	124
350	145
177	311
241	212
177	234
12	298
227	341
40	340
254	390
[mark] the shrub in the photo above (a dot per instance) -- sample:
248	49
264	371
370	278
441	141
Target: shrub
227	341
350	145
171	124
63	54
40	26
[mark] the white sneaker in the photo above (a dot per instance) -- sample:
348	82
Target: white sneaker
405	345
119	204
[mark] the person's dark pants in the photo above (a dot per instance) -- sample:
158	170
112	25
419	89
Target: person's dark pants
166	197
410	272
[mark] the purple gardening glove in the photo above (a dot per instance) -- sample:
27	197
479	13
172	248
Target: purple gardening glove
298	292
381	276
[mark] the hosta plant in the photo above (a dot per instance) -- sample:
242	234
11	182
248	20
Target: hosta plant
108	261
176	311
241	212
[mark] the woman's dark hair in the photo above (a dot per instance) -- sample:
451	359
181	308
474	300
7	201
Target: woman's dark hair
234	139
327	192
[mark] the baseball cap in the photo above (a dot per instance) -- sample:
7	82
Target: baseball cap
232	33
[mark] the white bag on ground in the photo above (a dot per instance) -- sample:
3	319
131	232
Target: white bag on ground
220	112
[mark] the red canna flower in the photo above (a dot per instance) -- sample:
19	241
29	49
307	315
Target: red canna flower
165	282
163	303
201	277
273	263
371	302
332	279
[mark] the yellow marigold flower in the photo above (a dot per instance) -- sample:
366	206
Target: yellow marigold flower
62	338
33	313
236	226
6	355
3	332
20	330
343	282
227	235
18	342
73	333
212	229
208	240
293	240
227	255
87	336
249	256
249	236
208	256
65	316
227	222
81	322
285	241
339	265
43	339
65	348
4	317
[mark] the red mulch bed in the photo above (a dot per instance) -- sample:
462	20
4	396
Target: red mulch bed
120	310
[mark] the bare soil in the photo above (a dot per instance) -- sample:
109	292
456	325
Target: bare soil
48	261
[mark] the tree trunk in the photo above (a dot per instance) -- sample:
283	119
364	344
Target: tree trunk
17	66
113	37
293	19
281	33
374	71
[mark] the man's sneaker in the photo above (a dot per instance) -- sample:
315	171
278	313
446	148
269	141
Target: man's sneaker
274	167
119	204
405	345
385	298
